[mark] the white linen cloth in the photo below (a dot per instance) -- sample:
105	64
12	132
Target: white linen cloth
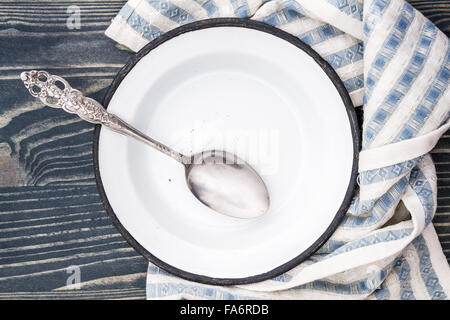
395	63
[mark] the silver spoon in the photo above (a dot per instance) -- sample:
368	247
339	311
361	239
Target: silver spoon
220	180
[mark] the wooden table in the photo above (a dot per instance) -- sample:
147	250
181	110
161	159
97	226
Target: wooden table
51	216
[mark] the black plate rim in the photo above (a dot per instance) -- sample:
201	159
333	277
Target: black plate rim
259	26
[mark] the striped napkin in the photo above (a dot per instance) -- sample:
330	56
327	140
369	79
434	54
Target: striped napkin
395	63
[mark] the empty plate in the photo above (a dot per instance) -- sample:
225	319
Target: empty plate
250	89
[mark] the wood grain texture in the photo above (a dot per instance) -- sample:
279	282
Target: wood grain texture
51	216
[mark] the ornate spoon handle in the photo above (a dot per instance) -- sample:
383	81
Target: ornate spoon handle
56	92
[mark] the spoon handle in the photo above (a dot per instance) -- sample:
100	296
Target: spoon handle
56	92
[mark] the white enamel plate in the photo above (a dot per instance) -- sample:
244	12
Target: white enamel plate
249	89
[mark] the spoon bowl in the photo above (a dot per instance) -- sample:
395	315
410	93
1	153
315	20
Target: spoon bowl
227	184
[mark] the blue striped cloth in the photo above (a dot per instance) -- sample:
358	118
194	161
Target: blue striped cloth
395	63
